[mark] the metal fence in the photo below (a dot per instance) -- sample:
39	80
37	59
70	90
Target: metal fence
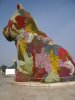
7	79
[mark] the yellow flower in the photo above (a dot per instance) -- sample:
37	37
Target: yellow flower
29	28
22	46
54	62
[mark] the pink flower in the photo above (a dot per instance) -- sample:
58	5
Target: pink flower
42	61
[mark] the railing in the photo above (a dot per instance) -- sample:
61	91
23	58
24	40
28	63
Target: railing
64	81
69	80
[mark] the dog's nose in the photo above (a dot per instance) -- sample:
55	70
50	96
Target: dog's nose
4	30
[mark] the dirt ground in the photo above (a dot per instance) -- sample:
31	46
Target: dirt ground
10	91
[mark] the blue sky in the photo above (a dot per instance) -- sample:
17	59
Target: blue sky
54	17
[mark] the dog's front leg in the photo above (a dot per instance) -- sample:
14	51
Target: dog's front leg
22	73
25	62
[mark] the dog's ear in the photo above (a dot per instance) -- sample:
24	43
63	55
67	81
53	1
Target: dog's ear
19	6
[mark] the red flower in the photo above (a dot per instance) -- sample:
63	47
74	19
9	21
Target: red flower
62	54
20	22
64	72
38	74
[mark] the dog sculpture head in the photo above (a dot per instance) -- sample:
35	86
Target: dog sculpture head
20	22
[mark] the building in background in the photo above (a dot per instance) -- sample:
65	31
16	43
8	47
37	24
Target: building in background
12	69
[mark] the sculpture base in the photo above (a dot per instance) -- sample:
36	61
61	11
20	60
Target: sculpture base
22	77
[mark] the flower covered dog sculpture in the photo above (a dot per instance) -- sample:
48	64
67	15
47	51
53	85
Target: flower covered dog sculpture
39	58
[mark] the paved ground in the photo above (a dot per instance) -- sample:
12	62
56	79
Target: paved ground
9	91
